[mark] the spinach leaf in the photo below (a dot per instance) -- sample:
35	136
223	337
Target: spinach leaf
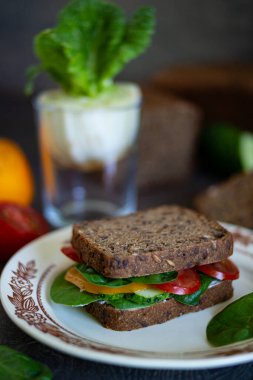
91	43
65	293
232	324
194	298
98	279
15	365
160	278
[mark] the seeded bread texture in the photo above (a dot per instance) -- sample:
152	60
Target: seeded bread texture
126	320
230	201
156	240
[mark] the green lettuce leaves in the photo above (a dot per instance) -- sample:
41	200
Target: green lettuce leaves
98	279
91	43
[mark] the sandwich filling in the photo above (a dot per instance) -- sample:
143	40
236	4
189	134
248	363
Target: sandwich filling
81	285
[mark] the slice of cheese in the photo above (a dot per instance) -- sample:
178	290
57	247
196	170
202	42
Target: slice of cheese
77	279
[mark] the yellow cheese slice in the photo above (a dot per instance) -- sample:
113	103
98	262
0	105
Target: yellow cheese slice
77	279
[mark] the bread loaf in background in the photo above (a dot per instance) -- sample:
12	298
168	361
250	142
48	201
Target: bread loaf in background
223	91
229	201
169	131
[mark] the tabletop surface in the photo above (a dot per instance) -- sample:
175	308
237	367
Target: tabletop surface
17	114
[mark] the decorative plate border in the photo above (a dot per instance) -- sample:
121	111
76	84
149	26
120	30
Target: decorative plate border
29	306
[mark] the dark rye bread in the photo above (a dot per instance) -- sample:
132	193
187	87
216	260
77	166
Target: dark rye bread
169	132
222	90
156	240
229	201
125	320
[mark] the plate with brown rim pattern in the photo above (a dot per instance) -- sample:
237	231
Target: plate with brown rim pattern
178	344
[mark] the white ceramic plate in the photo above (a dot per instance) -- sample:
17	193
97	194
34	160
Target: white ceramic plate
177	344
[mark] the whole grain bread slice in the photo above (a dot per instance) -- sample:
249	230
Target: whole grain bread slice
229	201
156	240
125	320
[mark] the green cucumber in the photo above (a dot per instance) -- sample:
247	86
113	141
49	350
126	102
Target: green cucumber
226	149
246	149
148	296
138	300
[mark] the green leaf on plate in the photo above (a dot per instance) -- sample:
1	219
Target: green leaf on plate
233	324
15	365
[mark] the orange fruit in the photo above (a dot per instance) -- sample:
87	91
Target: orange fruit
16	179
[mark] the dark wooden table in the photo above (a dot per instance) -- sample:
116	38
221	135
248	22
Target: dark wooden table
16	118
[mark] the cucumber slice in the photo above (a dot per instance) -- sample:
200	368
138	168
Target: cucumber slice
246	150
148	296
226	148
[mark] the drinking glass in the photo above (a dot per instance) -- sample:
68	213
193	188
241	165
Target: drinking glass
88	156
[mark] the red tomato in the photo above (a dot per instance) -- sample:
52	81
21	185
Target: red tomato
18	226
187	282
71	253
222	270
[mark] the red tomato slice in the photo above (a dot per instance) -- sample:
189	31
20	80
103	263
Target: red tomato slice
18	226
71	253
187	282
222	270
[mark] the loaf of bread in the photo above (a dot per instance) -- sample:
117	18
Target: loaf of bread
230	201
222	91
157	240
169	130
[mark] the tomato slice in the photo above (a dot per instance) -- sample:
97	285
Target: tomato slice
71	253
222	270
187	282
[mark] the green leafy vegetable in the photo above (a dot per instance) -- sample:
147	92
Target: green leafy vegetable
91	43
160	278
98	279
65	293
233	324
16	366
193	299
124	303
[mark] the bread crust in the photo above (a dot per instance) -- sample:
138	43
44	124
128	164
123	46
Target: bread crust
156	240
126	320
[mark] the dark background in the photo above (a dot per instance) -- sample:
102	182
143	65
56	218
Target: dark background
188	31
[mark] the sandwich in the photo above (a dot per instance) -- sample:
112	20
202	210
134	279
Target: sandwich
146	268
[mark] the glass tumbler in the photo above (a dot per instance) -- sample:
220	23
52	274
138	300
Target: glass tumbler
88	154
